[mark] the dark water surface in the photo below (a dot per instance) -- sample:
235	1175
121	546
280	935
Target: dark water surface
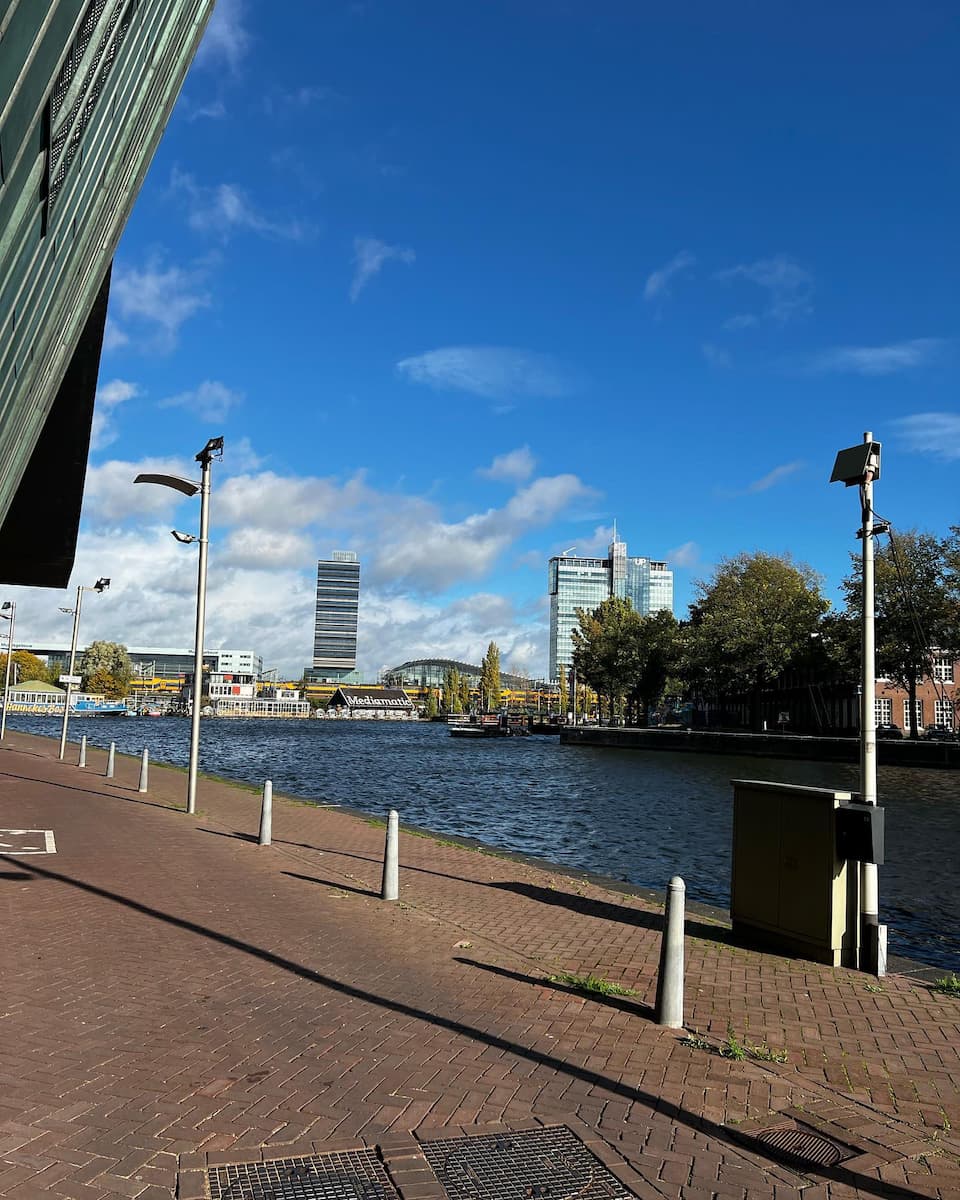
634	816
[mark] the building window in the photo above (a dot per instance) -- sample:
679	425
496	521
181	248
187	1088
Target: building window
906	714
884	711
943	669
943	713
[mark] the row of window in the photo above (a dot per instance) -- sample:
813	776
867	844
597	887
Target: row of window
943	713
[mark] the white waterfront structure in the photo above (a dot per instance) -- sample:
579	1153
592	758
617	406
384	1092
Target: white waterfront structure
585	582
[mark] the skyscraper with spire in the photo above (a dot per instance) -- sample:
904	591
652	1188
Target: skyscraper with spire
585	582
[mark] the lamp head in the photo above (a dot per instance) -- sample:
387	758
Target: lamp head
7	604
213	449
186	538
101	585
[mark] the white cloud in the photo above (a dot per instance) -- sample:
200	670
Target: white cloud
936	433
113	336
226	39
773	477
216	110
514	465
209	401
369	255
716	356
267	549
160	298
110	496
495	372
270	501
109	396
684	556
658	282
225	208
878	360
788	288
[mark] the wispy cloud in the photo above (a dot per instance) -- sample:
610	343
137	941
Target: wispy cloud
113	336
109	397
369	255
226	39
716	356
305	96
161	297
495	372
225	208
515	465
658	282
215	110
931	433
878	360
788	289
210	401
771	478
685	556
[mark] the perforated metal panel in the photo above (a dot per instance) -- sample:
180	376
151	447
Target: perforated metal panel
550	1163
344	1175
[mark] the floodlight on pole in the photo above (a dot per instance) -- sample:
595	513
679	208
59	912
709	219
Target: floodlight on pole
860	466
100	586
10	616
188	487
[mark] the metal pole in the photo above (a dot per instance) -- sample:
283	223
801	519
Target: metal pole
73	656
390	887
205	459
266	813
869	892
144	771
111	760
668	1009
6	680
82	760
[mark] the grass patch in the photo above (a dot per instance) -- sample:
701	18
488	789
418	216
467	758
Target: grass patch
872	987
696	1041
593	984
733	1047
949	985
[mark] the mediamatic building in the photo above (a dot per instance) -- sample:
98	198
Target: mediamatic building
86	88
586	582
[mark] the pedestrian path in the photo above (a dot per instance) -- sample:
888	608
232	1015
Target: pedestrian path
176	999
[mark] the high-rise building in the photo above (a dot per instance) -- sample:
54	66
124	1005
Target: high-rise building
586	582
86	88
335	631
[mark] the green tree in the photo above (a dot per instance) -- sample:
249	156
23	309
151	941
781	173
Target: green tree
917	606
749	623
430	706
656	655
105	667
24	666
490	688
464	693
563	697
605	649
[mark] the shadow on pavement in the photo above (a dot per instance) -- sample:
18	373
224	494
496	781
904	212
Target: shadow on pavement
623	1003
694	1121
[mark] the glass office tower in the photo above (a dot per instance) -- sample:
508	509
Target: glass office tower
585	582
338	603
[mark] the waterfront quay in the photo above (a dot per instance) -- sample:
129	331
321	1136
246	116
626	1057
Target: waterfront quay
177	998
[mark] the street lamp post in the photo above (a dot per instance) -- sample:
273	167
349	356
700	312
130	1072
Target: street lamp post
213	449
99	586
860	466
11	617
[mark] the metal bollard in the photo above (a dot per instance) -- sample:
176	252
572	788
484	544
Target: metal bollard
669	1004
390	888
144	770
82	760
111	759
266	813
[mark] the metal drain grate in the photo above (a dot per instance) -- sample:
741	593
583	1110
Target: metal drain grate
804	1147
345	1175
537	1164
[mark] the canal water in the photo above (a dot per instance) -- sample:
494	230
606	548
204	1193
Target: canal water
632	816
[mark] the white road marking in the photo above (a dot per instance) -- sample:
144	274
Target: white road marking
15	847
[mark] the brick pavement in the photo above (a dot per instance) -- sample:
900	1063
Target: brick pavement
174	996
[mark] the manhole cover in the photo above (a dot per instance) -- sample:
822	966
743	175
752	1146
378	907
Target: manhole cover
347	1175
538	1164
803	1146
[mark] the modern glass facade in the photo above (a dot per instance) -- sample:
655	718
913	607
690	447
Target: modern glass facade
338	603
86	88
585	582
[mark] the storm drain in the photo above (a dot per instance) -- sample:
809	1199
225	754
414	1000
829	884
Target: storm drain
551	1164
803	1147
347	1175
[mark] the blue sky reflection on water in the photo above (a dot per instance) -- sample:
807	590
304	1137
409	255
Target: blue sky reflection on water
634	817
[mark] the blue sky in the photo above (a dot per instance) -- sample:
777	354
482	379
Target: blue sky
461	284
